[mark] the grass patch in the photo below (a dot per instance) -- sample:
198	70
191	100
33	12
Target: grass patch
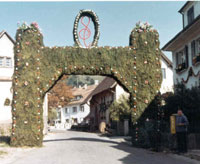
2	153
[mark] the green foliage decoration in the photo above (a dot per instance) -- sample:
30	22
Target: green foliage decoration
7	102
120	109
38	68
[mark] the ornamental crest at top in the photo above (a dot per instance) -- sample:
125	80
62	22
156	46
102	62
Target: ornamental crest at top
144	27
82	36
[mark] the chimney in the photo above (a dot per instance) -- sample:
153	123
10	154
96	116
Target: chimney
96	82
85	86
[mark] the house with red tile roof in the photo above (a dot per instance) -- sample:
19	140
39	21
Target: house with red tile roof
91	103
79	107
103	96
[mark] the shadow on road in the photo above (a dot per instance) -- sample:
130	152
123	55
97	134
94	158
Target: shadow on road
82	139
134	155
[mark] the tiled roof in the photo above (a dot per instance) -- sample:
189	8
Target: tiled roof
84	92
104	85
92	90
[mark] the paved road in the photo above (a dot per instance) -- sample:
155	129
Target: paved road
71	147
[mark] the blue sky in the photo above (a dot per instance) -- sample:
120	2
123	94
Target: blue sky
117	19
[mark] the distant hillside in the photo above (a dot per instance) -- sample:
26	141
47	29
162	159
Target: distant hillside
80	80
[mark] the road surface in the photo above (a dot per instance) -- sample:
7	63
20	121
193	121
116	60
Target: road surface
71	147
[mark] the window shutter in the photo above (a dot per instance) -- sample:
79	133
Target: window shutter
177	60
186	56
193	48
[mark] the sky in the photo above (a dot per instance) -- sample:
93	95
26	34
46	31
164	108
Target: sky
117	19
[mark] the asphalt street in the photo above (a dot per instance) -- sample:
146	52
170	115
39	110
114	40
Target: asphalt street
71	147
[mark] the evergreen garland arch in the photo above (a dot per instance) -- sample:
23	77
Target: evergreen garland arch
37	68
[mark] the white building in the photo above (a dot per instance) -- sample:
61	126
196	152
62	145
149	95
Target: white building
185	47
6	72
167	73
75	112
82	107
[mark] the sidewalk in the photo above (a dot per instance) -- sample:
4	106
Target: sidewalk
193	154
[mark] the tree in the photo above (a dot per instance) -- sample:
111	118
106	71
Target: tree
60	95
52	115
80	80
120	109
189	101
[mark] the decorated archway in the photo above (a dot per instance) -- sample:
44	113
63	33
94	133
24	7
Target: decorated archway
37	68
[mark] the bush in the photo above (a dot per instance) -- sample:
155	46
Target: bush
189	101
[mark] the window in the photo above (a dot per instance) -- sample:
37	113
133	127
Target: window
8	62
1	61
180	57
74	109
198	46
66	110
75	120
164	73
190	15
79	97
82	108
5	62
193	48
67	120
103	99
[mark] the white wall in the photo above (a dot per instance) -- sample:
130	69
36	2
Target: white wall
45	114
79	115
6	49
5	111
120	91
167	84
178	77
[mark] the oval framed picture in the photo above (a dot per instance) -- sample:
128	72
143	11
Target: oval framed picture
85	32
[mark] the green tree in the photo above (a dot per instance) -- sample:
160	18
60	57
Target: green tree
52	115
60	95
120	109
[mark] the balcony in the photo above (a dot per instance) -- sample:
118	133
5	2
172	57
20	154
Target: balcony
196	59
181	67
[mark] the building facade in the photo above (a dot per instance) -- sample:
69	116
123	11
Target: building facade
167	73
6	75
6	72
103	96
79	108
185	47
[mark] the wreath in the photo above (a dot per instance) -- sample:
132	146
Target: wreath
7	102
91	14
